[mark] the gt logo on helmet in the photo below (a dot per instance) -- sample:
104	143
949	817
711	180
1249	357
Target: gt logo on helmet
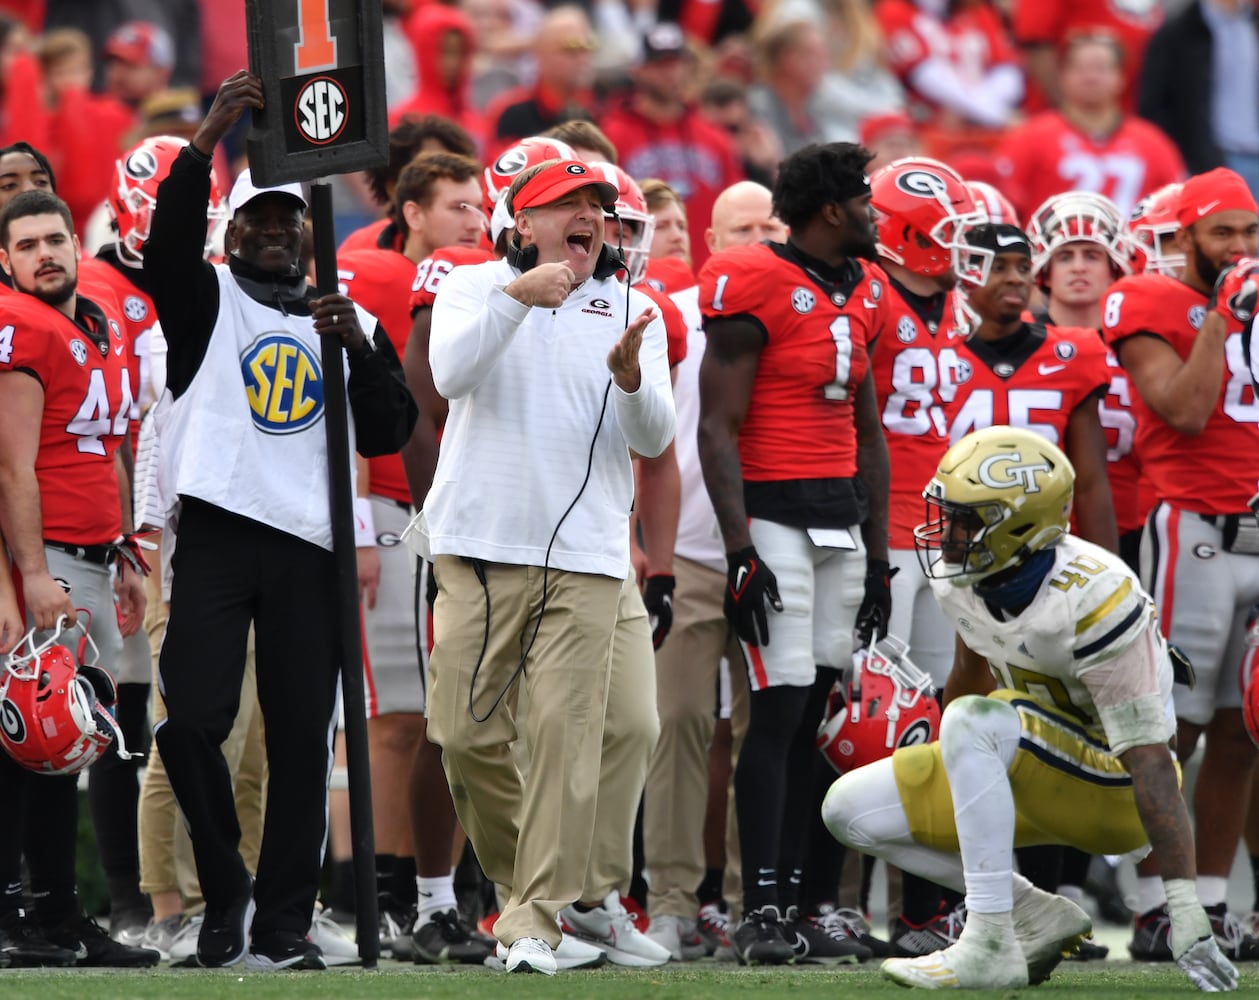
923	184
1003	466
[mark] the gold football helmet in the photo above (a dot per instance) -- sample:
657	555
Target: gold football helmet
998	495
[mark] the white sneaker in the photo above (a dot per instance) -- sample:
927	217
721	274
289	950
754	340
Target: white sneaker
572	953
531	955
678	936
964	965
1049	927
337	946
610	926
183	946
160	933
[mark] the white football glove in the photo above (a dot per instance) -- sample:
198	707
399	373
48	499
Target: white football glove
1207	968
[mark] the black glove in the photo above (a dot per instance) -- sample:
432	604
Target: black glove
876	605
749	584
658	596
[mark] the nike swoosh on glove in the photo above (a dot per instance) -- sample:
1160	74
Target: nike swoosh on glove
876	605
1207	968
749	584
658	597
1236	291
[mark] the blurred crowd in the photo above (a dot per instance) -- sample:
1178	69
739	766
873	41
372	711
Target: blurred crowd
697	94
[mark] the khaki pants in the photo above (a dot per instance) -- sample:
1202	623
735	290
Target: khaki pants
631	727
166	862
677	782
531	836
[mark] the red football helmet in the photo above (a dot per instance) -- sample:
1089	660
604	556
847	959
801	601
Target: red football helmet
1151	227
1075	217
139	171
994	206
631	209
887	703
497	177
923	208
52	710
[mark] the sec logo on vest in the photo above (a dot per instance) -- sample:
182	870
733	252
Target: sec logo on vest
283	383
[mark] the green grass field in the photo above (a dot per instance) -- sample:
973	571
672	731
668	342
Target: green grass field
703	981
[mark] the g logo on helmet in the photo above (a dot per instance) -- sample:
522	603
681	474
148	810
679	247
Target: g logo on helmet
141	165
923	184
1008	470
11	722
917	732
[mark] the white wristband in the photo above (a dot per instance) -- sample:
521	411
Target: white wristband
1189	923
364	525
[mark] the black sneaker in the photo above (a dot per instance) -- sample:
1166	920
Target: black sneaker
1151	936
912	940
395	920
444	940
1102	883
1234	940
94	948
224	937
856	926
284	950
1089	951
23	946
759	940
822	940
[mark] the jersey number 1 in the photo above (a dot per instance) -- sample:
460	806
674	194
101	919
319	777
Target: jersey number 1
317	49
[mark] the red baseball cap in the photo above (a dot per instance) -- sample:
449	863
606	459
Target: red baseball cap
873	127
560	178
1218	190
142	43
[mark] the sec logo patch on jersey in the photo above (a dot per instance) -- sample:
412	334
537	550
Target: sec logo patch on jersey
283	383
135	308
78	351
1197	316
803	300
906	330
1065	350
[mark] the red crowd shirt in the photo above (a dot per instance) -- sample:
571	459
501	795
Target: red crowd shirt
1047	155
799	423
691	155
378	280
1050	22
973	40
370	237
912	361
1213	472
1037	386
82	366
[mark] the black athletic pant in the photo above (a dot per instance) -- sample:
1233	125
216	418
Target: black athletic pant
40	820
230	571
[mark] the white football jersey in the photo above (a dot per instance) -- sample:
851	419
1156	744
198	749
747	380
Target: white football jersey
1090	608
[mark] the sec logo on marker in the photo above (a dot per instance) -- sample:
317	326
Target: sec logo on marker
283	384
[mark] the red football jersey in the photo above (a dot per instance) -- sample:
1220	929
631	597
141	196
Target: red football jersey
674	324
1123	467
669	274
368	238
799	424
87	406
1037	386
1049	22
973	40
1214	472
1046	155
139	316
428	274
911	362
379	281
